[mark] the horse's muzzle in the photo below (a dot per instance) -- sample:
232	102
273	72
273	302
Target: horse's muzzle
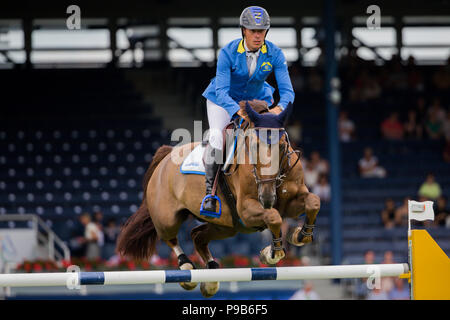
267	196
268	203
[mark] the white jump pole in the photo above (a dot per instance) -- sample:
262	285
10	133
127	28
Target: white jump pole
71	279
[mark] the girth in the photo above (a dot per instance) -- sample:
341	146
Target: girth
231	201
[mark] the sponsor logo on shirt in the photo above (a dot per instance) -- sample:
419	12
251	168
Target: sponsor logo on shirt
266	66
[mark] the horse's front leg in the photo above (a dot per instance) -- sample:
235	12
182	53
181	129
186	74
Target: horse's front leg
310	204
253	214
274	252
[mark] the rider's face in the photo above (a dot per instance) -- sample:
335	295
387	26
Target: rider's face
254	38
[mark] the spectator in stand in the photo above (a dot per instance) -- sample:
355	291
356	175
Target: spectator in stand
433	127
437	109
368	166
392	128
77	241
313	168
401	214
400	290
311	175
369	257
320	164
442	212
322	188
306	293
98	219
361	289
91	234
413	128
388	214
346	127
430	189
377	294
111	233
387	283
371	89
397	79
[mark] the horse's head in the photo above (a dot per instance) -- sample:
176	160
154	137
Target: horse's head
269	147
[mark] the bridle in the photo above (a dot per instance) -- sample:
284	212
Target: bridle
281	174
286	155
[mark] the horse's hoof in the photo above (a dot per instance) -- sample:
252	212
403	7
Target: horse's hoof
209	289
292	237
304	237
188	285
297	238
305	240
265	256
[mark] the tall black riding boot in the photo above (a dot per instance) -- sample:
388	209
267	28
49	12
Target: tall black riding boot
211	168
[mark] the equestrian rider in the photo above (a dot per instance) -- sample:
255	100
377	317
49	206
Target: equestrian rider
243	66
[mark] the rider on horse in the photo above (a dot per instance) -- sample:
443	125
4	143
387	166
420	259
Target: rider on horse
261	199
241	78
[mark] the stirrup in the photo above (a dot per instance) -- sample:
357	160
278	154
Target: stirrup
211	214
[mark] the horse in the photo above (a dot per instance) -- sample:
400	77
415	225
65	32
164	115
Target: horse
262	199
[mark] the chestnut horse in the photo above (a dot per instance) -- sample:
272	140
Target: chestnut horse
262	200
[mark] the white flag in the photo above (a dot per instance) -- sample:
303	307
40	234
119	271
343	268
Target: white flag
420	210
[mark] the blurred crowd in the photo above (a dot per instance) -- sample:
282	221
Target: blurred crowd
386	288
93	238
416	104
397	216
417	101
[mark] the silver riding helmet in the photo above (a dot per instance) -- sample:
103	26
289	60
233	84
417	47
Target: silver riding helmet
255	18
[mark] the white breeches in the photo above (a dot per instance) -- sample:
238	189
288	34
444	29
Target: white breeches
218	118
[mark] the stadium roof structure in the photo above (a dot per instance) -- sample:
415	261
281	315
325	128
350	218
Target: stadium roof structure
161	9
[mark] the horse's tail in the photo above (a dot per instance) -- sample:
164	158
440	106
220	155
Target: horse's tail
138	237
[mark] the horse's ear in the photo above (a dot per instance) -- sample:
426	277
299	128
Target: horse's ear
284	115
254	116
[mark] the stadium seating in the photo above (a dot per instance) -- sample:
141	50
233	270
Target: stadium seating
69	159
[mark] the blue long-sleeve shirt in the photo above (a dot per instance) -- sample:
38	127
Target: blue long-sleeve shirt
233	84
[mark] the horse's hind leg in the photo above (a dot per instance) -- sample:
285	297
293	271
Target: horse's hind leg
201	236
184	263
